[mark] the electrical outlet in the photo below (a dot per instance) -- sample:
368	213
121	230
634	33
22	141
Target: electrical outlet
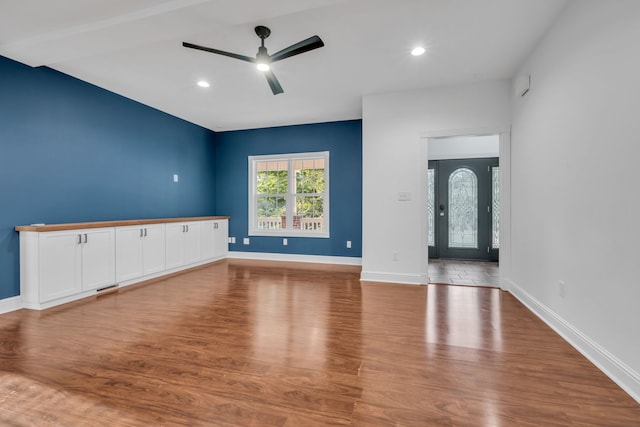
245	241
562	289
395	256
176	178
348	244
285	242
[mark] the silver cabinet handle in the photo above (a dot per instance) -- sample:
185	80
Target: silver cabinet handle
141	233
187	228
79	238
85	237
145	232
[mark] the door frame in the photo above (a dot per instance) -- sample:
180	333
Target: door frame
504	134
441	249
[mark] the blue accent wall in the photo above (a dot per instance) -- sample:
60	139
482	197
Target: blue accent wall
72	152
344	142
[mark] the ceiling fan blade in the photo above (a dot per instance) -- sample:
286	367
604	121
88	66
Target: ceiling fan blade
219	52
273	82
311	43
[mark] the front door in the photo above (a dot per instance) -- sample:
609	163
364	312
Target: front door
463	209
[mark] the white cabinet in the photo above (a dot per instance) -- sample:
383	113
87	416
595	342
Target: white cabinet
140	250
183	244
221	239
98	258
153	249
60	273
214	239
206	239
67	263
64	262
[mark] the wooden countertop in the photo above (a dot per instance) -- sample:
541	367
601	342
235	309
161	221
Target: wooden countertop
100	224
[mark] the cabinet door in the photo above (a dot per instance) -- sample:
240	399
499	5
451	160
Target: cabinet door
153	249
206	239
192	243
128	253
98	258
221	238
174	238
60	254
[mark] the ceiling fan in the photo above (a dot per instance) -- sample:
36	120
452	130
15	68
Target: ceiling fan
263	60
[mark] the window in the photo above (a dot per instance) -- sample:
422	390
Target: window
289	195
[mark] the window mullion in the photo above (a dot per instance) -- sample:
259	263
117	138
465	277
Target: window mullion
291	201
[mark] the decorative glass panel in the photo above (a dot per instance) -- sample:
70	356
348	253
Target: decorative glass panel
431	207
463	209
495	206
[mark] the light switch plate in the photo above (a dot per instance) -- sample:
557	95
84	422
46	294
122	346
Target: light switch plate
404	196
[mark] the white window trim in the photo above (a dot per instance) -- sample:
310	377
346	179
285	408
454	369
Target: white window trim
253	217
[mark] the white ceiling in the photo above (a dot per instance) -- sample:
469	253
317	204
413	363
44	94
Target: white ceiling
133	48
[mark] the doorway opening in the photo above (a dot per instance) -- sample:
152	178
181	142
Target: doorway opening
463	209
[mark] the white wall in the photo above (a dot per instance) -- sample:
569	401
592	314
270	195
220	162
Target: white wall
464	147
575	197
395	160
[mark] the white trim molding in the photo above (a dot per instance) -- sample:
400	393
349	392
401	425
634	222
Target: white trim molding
10	304
614	368
478	131
316	259
405	279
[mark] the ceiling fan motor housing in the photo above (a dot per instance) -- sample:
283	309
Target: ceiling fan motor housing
263	32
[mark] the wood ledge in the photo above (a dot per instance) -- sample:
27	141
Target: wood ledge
123	223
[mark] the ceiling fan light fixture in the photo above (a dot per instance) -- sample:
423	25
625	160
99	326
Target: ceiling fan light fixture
263	60
418	50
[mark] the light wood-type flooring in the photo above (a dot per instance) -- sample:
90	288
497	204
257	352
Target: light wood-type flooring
246	343
468	273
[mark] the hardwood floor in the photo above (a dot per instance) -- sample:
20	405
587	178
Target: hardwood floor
245	343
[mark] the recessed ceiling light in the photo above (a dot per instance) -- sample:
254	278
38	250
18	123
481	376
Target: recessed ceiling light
417	51
202	83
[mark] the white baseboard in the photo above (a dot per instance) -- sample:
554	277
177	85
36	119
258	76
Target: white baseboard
614	368
408	279
318	259
10	304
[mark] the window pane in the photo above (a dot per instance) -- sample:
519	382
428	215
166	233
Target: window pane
431	207
309	214
463	209
495	206
308	179
271	213
272	178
